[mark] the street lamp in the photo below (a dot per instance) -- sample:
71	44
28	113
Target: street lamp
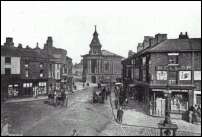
167	125
167	106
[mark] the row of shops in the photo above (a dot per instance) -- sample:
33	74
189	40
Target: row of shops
153	98
19	88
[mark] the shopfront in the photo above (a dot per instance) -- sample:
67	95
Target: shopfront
179	101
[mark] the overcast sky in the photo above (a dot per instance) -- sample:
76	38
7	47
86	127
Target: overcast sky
121	25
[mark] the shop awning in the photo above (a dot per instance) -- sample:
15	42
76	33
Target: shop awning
173	87
132	85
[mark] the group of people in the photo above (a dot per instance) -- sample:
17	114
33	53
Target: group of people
105	92
195	114
120	101
58	98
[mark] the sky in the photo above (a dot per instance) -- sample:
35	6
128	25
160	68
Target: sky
120	25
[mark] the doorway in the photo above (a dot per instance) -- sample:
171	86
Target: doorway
93	79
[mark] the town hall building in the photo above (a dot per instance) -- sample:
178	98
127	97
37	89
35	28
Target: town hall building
101	65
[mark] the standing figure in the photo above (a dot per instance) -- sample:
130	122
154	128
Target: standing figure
120	115
55	98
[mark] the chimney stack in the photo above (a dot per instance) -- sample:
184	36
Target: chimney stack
160	37
9	42
183	36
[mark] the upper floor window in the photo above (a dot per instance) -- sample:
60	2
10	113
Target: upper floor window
26	65
172	77
161	75
58	66
144	60
173	58
8	60
7	71
41	74
26	74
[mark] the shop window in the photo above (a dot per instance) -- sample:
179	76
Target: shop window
7	71
13	90
179	102
27	85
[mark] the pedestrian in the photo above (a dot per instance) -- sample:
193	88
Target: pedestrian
5	127
120	115
55	98
116	103
103	95
83	84
191	115
75	133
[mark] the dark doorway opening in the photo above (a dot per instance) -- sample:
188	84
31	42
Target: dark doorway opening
93	79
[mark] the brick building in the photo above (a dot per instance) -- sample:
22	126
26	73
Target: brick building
99	65
164	65
26	72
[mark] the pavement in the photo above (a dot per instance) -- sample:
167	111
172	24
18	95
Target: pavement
136	122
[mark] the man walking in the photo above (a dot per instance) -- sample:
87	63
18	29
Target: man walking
120	114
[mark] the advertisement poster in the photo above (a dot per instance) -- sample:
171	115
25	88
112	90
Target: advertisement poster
185	75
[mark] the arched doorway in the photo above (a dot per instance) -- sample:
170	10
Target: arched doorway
93	79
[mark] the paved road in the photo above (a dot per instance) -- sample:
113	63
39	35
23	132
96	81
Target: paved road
86	118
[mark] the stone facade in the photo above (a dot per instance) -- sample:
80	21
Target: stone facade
100	65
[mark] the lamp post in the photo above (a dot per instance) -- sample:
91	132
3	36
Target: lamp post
167	106
167	125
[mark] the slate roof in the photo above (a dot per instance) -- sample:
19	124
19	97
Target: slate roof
177	45
22	52
108	53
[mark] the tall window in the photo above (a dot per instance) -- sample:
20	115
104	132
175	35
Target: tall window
41	73
107	66
26	74
93	65
58	66
41	65
173	77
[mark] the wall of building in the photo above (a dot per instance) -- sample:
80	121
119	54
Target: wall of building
14	65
